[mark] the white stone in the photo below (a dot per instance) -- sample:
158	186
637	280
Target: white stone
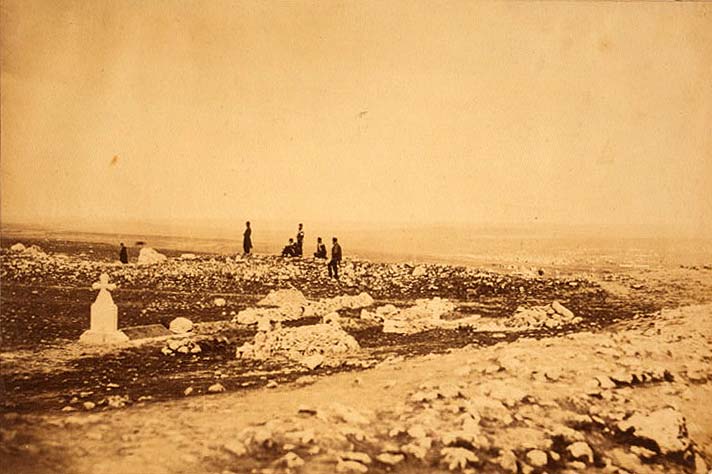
665	427
559	308
350	466
181	325
103	328
219	302
390	458
331	318
507	461
313	361
362	458
537	458
581	451
18	247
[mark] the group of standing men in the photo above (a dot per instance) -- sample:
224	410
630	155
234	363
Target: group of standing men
296	249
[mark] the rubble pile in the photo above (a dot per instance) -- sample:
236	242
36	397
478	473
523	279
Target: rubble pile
255	315
422	316
327	341
181	346
281	298
148	256
329	305
290	304
31	251
551	316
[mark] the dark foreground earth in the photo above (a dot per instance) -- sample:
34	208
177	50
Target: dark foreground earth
46	293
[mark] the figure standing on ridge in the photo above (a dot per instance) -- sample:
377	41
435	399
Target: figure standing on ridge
124	254
320	249
300	241
335	259
290	250
247	240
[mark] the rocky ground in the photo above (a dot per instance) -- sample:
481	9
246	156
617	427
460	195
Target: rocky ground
445	369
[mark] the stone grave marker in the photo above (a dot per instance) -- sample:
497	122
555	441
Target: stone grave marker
104	321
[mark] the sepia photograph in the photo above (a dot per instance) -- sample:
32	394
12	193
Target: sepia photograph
355	236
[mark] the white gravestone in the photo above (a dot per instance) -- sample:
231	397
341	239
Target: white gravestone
104	316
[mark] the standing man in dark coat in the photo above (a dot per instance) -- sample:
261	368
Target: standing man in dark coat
300	241
123	254
335	259
247	240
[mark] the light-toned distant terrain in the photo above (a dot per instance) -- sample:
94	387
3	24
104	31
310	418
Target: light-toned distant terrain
455	368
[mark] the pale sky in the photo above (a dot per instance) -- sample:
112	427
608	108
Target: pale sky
423	112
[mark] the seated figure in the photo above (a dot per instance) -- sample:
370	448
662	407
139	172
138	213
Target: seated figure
320	249
290	250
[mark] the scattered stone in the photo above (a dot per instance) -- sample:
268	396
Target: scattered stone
291	460
305	380
605	382
348	414
362	458
576	465
457	458
350	466
550	316
117	401
665	428
390	458
188	391
559	308
216	388
219	302
642	453
507	461
313	361
235	447
182	345
580	451
537	458
89	405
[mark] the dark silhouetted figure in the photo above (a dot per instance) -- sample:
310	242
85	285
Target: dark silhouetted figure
124	254
320	249
247	239
290	250
300	241
335	259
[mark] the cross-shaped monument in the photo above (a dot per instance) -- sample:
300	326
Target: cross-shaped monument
104	316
